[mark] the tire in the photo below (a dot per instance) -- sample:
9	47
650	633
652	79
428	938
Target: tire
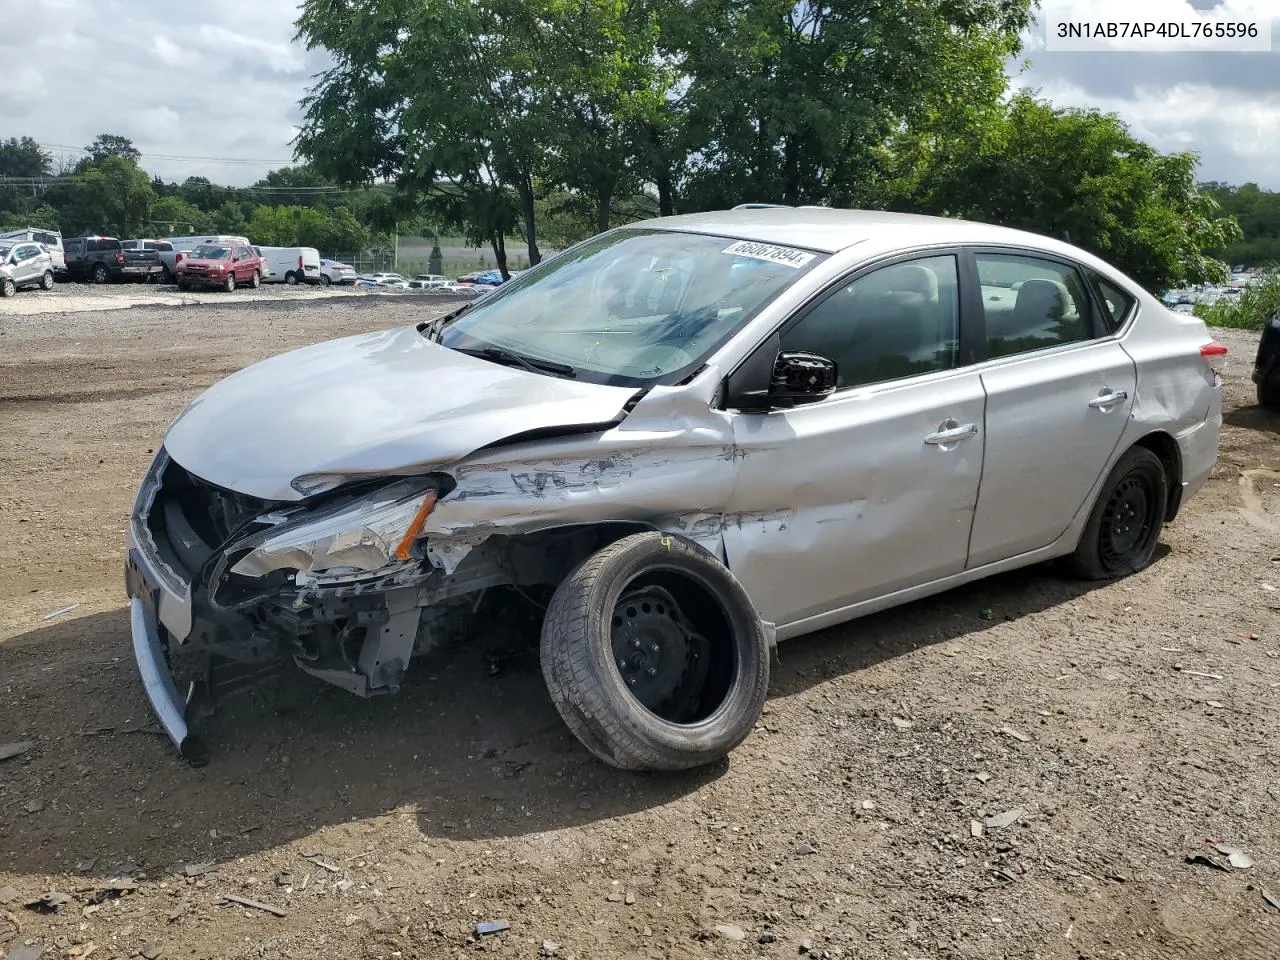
183	285
169	276
1269	393
46	282
230	285
291	278
100	273
7	287
324	280
256	280
1126	521
700	660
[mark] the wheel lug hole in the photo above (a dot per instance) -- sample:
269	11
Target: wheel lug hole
652	671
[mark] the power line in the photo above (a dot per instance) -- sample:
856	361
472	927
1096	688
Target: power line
163	156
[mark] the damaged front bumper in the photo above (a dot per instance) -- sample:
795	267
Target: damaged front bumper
195	617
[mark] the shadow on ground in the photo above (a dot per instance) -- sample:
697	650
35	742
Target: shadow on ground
468	753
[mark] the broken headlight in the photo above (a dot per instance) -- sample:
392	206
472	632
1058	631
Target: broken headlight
372	533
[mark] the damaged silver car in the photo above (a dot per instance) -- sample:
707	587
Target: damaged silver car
693	437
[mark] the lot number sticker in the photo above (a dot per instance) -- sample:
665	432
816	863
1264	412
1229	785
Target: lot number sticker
787	256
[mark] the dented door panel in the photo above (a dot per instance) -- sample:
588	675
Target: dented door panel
844	500
1047	444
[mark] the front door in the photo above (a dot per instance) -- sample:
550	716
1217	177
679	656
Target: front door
27	267
1058	400
872	489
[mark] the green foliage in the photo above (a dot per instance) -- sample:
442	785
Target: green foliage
1258	212
295	226
24	158
1078	173
173	216
111	145
111	196
42	216
1251	311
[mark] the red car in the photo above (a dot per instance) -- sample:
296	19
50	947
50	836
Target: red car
222	266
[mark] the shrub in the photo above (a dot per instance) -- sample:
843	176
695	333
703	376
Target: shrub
1255	306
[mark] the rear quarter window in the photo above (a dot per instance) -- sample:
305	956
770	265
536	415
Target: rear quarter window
1116	303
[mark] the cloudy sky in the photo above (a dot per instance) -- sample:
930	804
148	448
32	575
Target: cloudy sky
212	89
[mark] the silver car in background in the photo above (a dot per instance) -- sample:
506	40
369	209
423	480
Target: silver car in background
24	264
688	439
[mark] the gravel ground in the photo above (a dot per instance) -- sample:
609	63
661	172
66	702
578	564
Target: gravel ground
83	297
1015	769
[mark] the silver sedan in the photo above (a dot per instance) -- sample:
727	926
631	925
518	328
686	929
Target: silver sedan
685	440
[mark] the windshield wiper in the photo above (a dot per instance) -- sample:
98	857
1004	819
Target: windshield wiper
512	359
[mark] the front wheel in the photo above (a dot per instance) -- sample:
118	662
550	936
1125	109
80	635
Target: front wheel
654	656
7	287
1125	524
230	285
291	278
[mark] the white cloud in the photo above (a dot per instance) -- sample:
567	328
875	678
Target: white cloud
224	80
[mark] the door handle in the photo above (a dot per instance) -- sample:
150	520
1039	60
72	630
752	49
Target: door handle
952	432
1108	399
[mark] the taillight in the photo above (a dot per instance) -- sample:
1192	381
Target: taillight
299	263
1215	355
177	258
120	256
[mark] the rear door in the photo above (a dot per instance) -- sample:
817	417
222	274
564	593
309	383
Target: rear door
1059	391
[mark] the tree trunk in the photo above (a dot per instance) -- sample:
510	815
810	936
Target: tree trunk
499	245
604	199
525	185
666	194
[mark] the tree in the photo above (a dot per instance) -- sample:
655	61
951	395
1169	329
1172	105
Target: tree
24	158
111	145
1080	173
172	216
112	196
788	103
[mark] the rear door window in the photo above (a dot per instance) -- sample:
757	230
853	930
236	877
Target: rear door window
1030	303
1116	303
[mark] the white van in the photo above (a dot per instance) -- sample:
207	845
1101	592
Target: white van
291	265
184	245
50	239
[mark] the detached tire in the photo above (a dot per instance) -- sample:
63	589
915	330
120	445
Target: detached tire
654	656
1126	521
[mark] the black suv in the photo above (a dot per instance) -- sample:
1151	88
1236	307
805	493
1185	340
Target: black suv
94	258
1266	366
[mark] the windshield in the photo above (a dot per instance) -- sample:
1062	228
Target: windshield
631	307
211	253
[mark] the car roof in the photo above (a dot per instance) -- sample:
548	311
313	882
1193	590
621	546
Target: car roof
828	230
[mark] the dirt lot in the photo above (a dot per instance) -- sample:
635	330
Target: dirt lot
1145	715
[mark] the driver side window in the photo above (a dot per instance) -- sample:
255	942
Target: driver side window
899	321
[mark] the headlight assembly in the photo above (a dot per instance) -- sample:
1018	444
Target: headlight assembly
369	534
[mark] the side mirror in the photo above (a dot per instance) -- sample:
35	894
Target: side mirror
235	259
802	377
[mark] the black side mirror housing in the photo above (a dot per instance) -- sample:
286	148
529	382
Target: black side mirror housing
802	377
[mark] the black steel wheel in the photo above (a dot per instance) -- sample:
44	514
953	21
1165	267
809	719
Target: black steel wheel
654	656
1124	527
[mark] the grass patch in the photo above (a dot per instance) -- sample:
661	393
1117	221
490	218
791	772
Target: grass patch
1252	311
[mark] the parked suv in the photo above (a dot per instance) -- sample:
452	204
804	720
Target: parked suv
99	259
220	265
24	265
51	240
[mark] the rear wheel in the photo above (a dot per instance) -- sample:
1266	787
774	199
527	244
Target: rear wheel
256	280
46	282
1269	392
100	273
1125	524
291	278
654	656
324	280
